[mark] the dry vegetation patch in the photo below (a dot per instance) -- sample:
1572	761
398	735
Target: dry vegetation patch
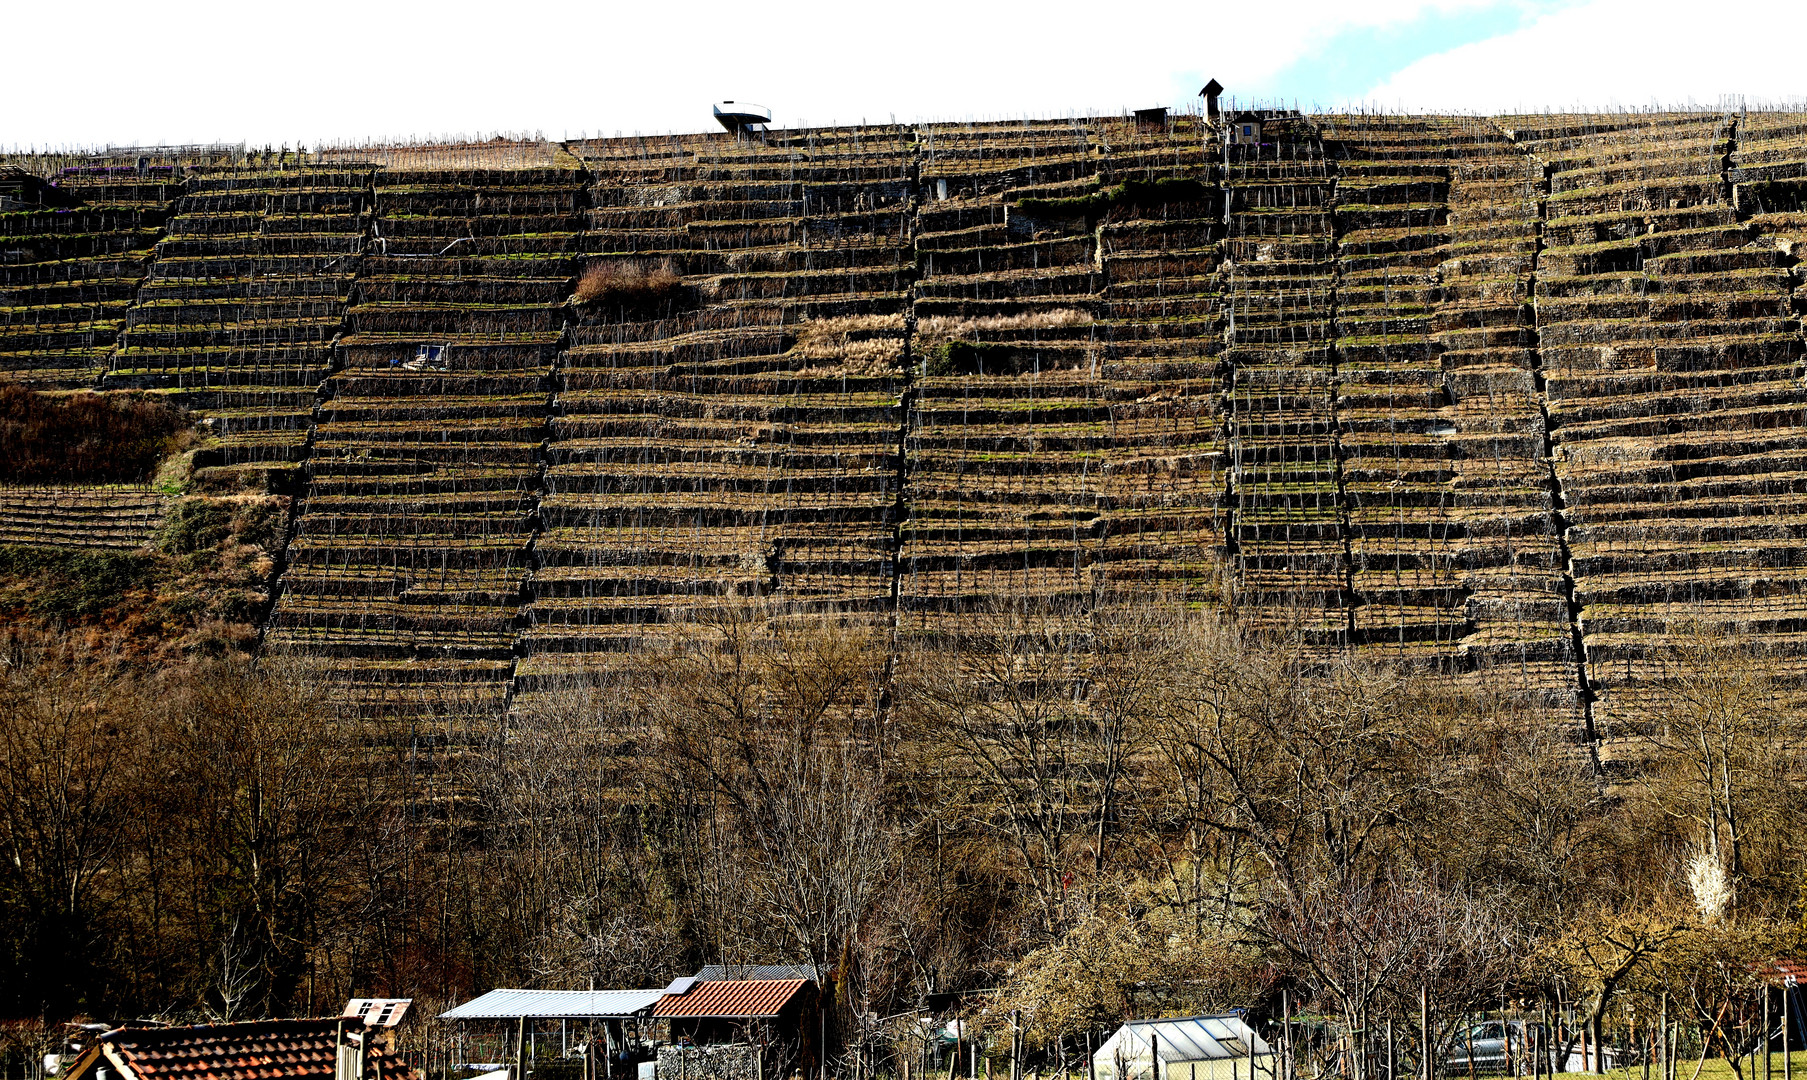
86	437
869	345
941	329
201	590
632	285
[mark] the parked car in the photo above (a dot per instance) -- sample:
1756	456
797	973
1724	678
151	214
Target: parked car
1493	1046
1500	1046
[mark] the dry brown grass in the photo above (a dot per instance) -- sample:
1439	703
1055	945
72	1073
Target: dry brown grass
943	329
629	283
852	345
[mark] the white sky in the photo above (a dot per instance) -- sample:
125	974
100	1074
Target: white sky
210	70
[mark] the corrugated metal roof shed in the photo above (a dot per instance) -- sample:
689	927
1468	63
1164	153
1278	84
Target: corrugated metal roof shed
554	1004
1191	1047
731	999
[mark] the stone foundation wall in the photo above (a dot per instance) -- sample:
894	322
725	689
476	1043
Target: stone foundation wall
730	1061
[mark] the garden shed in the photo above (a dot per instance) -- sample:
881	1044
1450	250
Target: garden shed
1244	129
1185	1048
604	1029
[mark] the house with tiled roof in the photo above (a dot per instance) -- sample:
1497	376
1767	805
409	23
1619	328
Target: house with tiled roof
331	1048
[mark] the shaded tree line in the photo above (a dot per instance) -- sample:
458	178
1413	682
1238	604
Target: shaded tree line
1090	815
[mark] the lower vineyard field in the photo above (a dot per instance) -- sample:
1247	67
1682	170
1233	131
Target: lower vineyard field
200	586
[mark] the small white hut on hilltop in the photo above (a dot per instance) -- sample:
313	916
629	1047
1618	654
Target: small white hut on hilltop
1185	1048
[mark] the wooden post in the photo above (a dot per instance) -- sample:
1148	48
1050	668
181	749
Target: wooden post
1764	1011
1535	1041
1392	1062
1662	1024
1281	1046
1016	1045
1424	1031
520	1049
1787	1024
1091	1070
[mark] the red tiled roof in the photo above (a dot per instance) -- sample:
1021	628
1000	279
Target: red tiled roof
1779	971
255	1050
731	999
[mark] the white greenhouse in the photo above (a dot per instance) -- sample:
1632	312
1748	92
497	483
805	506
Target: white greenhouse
1187	1048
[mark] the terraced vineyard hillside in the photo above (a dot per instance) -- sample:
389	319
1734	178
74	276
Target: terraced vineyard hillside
735	435
1512	398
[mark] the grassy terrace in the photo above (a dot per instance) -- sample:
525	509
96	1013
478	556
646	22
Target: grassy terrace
424	474
723	428
67	275
1668	329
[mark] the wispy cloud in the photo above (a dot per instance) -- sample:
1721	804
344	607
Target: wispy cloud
1340	69
1606	54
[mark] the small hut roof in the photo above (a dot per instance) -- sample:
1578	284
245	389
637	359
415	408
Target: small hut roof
554	1004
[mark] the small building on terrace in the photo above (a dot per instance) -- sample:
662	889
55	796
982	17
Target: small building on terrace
1244	129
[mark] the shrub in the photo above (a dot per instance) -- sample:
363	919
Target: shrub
96	438
973	358
631	285
195	525
263	522
1130	193
67	584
